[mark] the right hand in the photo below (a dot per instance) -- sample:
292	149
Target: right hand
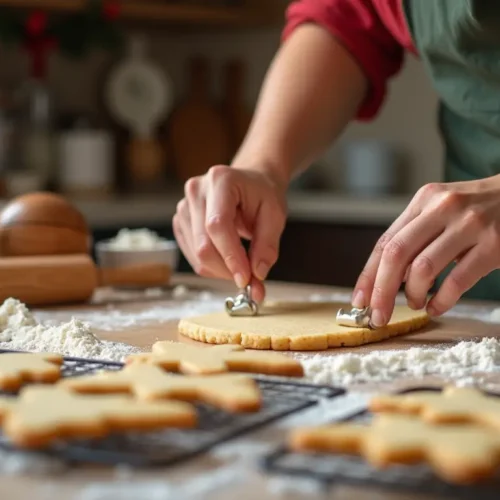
223	206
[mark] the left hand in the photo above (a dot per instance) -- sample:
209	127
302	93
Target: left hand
444	223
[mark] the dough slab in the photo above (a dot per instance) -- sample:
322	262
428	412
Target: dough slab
296	326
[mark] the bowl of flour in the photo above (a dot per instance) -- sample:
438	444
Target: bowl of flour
132	247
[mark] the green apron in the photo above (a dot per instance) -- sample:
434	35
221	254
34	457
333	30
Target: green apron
459	44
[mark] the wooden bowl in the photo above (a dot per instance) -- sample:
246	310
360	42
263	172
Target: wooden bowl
42	223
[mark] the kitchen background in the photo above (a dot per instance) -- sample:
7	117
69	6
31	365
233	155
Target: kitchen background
115	104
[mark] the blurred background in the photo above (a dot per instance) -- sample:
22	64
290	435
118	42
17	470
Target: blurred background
116	103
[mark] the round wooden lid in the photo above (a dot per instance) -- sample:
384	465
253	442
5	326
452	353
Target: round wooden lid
43	208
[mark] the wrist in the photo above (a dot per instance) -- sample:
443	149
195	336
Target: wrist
277	171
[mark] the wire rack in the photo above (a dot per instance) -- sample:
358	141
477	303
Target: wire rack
281	397
331	470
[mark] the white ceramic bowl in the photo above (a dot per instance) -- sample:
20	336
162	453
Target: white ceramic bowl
166	252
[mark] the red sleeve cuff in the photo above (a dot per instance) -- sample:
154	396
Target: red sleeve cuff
356	24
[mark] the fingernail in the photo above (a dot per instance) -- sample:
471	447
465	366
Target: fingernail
261	271
240	280
412	305
377	318
358	300
431	311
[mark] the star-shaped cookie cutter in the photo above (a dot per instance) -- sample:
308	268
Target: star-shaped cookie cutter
356	317
242	304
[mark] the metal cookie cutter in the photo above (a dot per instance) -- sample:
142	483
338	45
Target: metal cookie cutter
242	304
355	317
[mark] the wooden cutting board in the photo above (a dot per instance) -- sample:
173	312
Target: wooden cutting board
198	136
444	332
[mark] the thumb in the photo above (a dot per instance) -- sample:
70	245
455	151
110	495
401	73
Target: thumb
264	249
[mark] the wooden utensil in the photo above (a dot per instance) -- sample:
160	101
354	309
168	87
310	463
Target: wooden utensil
237	114
42	224
139	94
198	133
63	279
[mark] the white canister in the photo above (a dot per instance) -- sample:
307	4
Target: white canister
86	161
369	167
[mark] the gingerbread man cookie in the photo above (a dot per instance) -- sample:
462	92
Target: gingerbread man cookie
43	414
18	368
459	454
231	392
453	404
174	356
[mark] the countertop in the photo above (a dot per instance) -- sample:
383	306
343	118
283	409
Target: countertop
321	206
230	471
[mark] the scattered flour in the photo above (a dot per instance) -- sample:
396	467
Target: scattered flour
112	318
18	463
457	362
20	331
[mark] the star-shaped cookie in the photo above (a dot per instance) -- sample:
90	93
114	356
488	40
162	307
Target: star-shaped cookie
18	368
458	453
175	356
231	392
41	415
453	404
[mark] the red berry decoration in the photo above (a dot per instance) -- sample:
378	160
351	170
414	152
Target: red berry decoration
111	10
36	23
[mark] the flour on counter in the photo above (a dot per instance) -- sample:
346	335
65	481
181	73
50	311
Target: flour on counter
19	463
20	331
457	362
111	318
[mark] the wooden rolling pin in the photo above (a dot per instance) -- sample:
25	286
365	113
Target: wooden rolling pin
63	279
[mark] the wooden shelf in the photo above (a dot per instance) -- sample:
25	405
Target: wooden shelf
155	11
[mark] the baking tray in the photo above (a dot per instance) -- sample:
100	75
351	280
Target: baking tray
281	397
330	470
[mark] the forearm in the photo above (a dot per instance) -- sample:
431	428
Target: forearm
311	92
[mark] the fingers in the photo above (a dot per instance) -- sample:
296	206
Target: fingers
450	246
244	231
396	257
181	224
264	248
218	210
362	294
220	223
472	267
207	260
258	290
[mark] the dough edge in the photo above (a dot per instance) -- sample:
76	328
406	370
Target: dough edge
319	342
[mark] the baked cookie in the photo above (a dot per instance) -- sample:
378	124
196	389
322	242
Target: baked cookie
296	326
175	356
41	415
452	405
459	454
18	368
231	392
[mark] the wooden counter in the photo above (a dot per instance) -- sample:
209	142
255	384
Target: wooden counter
232	466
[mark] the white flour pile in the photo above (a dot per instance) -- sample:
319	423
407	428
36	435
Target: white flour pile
135	239
456	363
20	331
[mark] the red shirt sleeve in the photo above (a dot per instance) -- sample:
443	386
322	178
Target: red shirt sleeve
358	26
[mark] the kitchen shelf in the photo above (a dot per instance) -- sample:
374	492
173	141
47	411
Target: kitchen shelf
159	12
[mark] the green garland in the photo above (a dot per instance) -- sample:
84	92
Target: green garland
74	34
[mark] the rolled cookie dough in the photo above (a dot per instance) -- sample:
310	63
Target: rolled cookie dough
295	326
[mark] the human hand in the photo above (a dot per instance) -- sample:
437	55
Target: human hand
444	223
223	206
